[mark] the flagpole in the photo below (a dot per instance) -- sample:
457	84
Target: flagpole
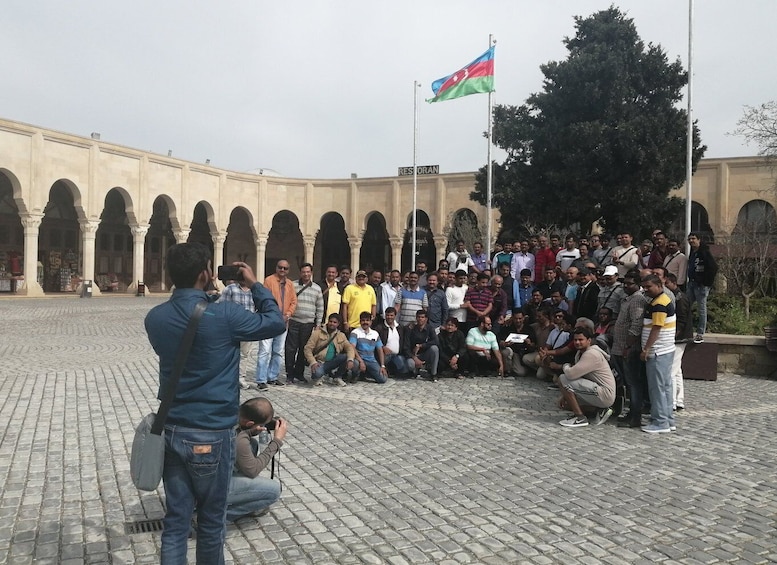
689	134
488	165
416	86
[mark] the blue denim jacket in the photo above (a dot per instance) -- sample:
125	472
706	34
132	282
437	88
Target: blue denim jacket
208	393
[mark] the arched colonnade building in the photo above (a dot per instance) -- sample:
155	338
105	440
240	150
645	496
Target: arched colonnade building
73	208
76	208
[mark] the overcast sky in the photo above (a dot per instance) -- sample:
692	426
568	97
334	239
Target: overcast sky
323	89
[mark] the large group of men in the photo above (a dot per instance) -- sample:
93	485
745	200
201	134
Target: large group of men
600	324
527	309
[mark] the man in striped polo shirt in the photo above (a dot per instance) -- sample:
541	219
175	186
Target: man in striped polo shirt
410	300
310	309
658	331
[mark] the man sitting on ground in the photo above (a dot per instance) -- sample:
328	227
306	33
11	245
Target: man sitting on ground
329	351
483	349
453	349
421	346
392	335
250	494
588	385
513	351
368	346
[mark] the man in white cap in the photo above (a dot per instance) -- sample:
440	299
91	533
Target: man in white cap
611	294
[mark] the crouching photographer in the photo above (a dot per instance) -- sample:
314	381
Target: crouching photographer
250	494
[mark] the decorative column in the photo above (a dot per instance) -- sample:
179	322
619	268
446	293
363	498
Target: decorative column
440	243
88	235
310	245
356	245
31	286
261	255
396	252
181	235
138	255
218	249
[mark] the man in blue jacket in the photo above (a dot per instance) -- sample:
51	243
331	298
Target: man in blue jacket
200	427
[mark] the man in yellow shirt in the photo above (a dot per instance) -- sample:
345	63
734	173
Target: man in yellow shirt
357	298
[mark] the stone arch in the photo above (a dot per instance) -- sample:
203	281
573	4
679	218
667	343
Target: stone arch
59	241
114	249
129	209
16	189
425	248
464	225
331	247
240	244
285	242
375	252
757	217
700	222
158	240
203	226
11	230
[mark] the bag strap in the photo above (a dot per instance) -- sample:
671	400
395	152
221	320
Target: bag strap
180	361
304	288
321	348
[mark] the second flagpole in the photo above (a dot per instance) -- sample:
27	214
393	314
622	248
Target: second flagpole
489	179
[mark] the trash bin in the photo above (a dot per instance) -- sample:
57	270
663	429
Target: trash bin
86	289
141	289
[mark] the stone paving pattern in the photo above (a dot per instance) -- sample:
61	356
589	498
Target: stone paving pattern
473	471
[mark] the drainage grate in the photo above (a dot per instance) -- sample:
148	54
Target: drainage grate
143	526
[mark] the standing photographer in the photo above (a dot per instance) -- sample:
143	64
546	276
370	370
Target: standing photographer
200	426
250	494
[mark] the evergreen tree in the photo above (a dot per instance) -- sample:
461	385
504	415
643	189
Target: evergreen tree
604	140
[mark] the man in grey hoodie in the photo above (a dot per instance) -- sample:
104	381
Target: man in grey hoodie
589	383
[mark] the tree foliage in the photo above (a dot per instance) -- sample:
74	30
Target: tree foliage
758	125
605	139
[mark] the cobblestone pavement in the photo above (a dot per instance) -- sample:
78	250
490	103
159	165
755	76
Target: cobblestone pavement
474	471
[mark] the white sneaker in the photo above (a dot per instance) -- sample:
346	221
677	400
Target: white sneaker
244	384
574	422
339	382
602	416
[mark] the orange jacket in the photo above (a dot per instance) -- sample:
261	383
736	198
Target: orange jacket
289	303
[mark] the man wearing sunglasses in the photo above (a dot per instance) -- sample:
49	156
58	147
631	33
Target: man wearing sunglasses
268	365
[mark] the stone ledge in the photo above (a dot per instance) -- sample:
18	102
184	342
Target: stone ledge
733	339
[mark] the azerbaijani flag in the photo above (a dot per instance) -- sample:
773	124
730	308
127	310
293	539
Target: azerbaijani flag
476	77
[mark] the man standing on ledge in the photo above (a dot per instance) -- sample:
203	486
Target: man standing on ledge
200	427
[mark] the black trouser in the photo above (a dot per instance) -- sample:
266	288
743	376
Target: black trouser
481	365
444	366
296	339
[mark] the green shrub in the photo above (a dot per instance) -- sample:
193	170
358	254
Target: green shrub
726	314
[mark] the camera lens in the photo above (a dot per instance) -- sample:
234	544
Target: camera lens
270	426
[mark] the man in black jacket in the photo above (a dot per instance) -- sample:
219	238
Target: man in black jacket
453	348
393	337
421	345
702	269
587	302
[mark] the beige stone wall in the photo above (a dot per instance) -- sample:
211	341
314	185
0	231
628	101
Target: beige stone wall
33	159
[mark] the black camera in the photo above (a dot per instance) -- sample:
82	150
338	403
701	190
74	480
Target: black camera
270	426
229	273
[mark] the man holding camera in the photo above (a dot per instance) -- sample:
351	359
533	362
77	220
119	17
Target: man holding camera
199	430
250	494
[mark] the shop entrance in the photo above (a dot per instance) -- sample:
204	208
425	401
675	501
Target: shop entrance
59	242
113	253
11	238
159	238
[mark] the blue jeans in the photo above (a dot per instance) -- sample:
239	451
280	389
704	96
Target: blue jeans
335	364
198	467
699	293
250	495
661	389
399	364
268	363
373	371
